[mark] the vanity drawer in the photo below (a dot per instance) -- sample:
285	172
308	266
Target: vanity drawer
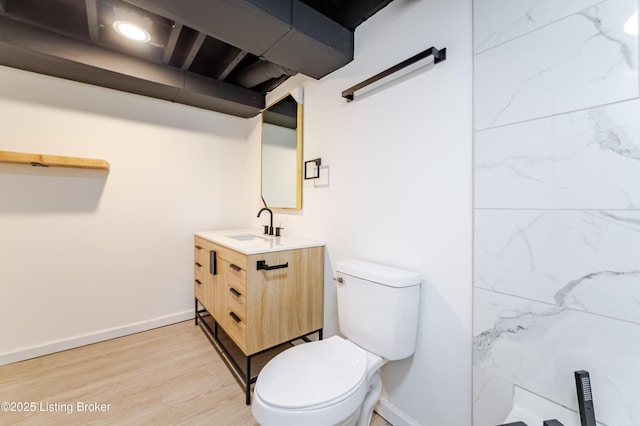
232	257
235	277
199	270
198	288
199	278
236	328
237	302
200	265
201	252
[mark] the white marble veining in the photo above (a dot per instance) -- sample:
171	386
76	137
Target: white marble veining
260	243
538	347
498	21
585	260
583	60
586	159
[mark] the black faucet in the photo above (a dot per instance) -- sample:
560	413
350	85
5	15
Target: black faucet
267	229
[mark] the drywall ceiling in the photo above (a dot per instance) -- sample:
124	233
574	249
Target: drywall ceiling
221	55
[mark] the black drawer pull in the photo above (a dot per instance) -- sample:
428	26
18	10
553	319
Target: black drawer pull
198	282
235	317
235	292
199	248
198	265
235	267
262	264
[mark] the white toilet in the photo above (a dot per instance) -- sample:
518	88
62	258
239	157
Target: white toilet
337	381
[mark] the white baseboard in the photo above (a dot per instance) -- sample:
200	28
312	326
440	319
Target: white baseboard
47	348
393	414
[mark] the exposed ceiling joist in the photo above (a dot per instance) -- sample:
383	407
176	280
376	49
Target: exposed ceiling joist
231	60
171	44
193	51
92	20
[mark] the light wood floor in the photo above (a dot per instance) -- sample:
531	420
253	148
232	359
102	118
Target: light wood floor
167	376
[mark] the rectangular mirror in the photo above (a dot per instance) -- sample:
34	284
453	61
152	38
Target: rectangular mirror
281	177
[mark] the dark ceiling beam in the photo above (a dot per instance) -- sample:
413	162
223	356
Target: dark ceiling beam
171	44
47	43
231	60
348	13
285	32
193	51
63	17
315	45
37	50
92	20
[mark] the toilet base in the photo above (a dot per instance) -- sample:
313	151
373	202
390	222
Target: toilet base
366	411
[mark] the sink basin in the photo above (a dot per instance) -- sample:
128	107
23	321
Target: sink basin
246	237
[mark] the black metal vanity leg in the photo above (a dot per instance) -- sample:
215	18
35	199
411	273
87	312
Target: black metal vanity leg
196	312
247	381
320	334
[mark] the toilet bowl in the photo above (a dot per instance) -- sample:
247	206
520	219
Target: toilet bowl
316	384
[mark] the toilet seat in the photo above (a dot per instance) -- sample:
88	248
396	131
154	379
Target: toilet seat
313	375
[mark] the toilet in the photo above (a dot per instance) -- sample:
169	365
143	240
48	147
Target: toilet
336	381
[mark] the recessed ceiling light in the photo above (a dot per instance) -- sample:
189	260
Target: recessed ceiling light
131	31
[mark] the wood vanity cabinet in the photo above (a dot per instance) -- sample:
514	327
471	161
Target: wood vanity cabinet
260	308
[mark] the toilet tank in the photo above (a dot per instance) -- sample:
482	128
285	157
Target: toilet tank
378	307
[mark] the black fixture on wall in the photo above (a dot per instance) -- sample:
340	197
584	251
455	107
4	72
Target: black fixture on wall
312	168
438	56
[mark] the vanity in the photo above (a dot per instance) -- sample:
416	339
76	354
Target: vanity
255	293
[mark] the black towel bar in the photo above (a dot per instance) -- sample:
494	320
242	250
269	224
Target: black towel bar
262	264
438	56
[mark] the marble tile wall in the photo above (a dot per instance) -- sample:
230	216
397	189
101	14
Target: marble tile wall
557	205
582	60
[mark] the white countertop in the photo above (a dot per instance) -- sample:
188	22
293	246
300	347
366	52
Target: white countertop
249	241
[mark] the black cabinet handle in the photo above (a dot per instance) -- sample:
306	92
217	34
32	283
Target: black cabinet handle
235	317
235	267
262	264
198	282
198	265
199	248
235	292
212	262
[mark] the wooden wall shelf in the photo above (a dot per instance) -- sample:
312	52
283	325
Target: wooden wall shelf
43	160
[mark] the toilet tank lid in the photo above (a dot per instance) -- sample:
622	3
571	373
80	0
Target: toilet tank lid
381	274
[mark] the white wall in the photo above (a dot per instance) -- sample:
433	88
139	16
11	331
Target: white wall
557	210
399	193
86	255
